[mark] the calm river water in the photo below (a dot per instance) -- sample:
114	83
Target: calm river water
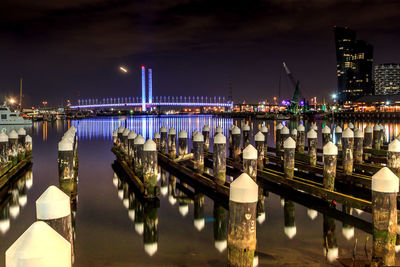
108	233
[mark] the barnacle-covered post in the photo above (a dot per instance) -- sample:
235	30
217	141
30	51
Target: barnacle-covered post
358	145
289	147
172	142
183	142
338	137
278	136
138	144
219	158
230	136
150	168
312	146
65	160
259	140
156	139
301	138
3	151
28	145
198	152
330	152
163	140
347	151
250	161
293	134
120	131
115	137
383	134
236	149
246	135
131	151
21	143
206	135
125	134
377	137
264	130
326	135
13	147
393	156
283	136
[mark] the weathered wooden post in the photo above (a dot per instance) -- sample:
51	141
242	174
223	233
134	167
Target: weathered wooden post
278	136
289	147
13	147
183	142
138	144
65	160
242	241
301	138
368	137
125	134
156	139
383	134
206	135
312	146
131	150
219	159
28	146
236	149
231	127
347	151
163	140
218	130
293	134
393	157
358	145
54	208
150	169
220	227
385	186
198	152
351	126
21	143
39	245
330	152
326	135
264	130
250	162
259	140
338	137
377	137
283	136
3	152
120	131
289	218
199	221
115	137
331	250
246	135
172	142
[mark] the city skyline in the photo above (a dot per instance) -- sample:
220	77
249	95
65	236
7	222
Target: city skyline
66	49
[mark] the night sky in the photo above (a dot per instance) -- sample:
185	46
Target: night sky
66	48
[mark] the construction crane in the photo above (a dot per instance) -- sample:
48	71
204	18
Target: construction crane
294	103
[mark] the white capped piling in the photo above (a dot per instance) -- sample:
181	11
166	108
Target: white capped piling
65	160
301	138
347	151
230	135
393	156
218	130
199	221
246	135
115	137
331	250
385	186
290	229
236	148
330	152
312	146
285	132
3	152
383	134
172	142
183	142
242	241
150	168
156	139
198	152
326	135
13	147
194	132
28	146
131	139
120	131
377	137
125	134
289	149
314	127
40	246
264	130
54	208
163	140
206	134
358	145
21	143
250	161
351	126
293	134
219	158
338	137
259	140
220	227
277	136
368	137
150	234
138	144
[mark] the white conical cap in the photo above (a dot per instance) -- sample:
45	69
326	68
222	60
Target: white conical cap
28	139
326	130
183	134
243	190
72	128
139	140
279	126
293	132
198	137
236	130
4	225
163	129
219	139
330	149
250	152
338	129
206	128
311	134
184	210
199	224
172	130
385	181
312	214
39	246
157	135
264	129
132	135
21	131
13	135
348	232
368	129
65	145
121	129
150	145
285	130
348	133
301	128
231	127
115	133
52	204
332	255
394	146
377	127
246	127
259	137
3	137
221	245
151	248
219	129
351	125
289	143
125	132
358	133
314	127
290	231
68	138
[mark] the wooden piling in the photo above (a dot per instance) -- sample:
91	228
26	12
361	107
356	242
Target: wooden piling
115	137
163	140
338	137
231	127
293	134
278	136
250	161
385	186
206	135
393	157
312	146
218	130
21	143
326	135
198	152
150	169
3	152
125	134
358	146
138	144
219	159
301	138
283	136
156	139
377	137
264	130
65	160
259	140
289	218
28	146
368	137
246	135
236	148
183	143
330	152
172	143
242	241
289	147
13	147
120	131
347	151
131	150
383	134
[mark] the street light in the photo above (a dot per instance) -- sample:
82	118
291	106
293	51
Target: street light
12	101
123	69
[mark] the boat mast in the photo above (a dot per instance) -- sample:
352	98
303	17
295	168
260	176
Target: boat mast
20	94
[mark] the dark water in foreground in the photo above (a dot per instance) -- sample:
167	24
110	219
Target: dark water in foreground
107	234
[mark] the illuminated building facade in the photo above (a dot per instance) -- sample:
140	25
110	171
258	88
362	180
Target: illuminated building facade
387	79
354	65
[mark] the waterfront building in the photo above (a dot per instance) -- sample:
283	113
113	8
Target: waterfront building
387	79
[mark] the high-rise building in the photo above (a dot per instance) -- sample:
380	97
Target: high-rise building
387	79
354	65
